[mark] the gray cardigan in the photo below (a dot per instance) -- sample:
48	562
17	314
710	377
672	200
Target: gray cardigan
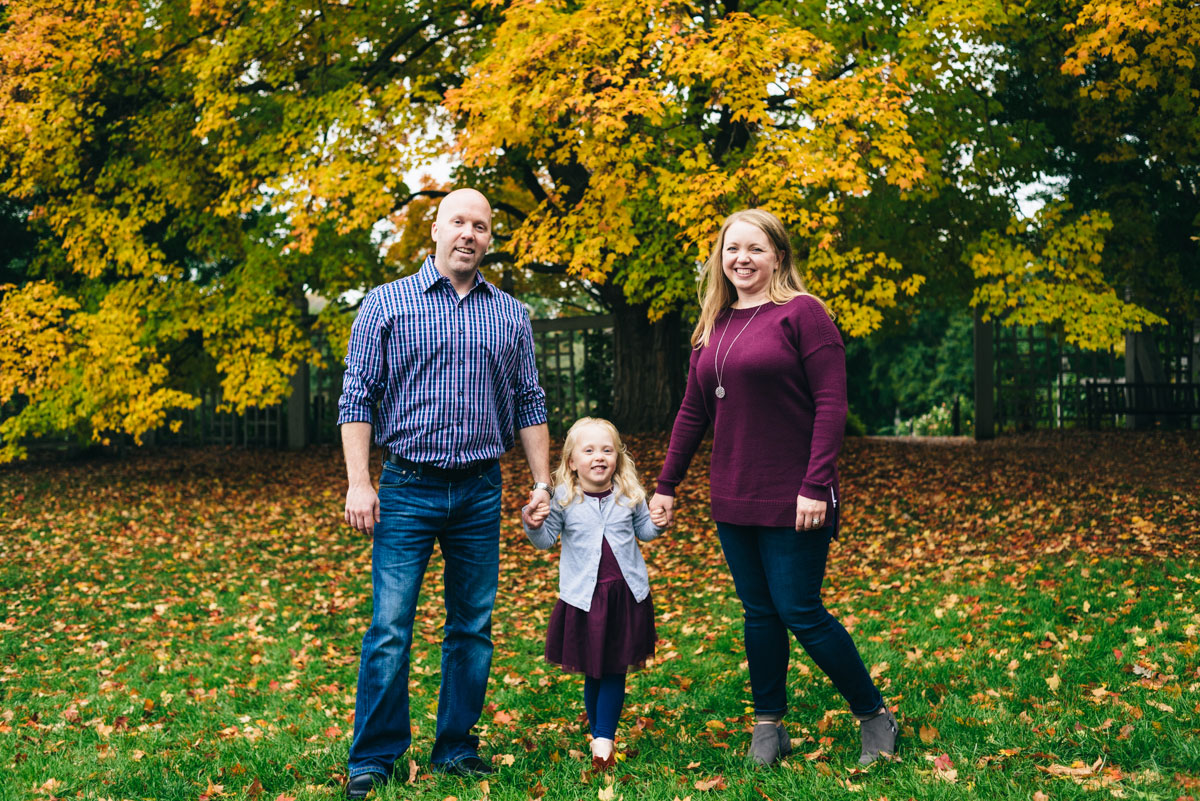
582	524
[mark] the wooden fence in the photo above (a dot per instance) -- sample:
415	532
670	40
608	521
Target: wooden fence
574	359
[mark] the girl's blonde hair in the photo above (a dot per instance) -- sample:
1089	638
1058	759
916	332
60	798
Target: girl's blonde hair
717	293
625	480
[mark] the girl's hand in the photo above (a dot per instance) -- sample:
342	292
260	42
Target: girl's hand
810	514
661	509
534	516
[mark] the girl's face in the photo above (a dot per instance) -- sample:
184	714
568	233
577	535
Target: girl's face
594	458
748	259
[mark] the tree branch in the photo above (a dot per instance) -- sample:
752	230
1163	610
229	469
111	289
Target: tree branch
299	75
840	71
529	179
501	257
423	193
389	66
498	205
508	208
393	47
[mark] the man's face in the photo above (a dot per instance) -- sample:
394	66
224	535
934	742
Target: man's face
462	233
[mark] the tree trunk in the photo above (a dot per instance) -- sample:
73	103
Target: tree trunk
1143	365
985	381
650	363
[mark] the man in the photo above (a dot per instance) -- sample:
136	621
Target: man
440	368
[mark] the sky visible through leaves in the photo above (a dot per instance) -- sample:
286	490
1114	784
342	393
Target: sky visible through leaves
186	625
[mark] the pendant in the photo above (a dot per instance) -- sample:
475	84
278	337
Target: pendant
720	391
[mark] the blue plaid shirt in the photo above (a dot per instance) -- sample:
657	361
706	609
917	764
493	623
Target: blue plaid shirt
442	380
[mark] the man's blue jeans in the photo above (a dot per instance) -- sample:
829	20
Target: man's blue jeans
464	518
777	573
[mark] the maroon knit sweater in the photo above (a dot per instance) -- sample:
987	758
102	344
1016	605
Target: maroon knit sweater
778	430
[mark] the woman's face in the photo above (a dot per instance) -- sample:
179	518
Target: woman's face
748	260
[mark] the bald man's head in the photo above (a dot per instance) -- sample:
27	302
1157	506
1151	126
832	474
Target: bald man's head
462	233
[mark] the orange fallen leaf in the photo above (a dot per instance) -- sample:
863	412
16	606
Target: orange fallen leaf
715	783
1076	769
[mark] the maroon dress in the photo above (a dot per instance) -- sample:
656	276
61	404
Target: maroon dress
615	636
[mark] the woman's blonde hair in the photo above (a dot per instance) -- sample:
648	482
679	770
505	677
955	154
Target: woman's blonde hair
625	480
717	293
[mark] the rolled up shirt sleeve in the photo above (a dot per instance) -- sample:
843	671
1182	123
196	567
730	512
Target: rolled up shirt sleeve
366	364
528	396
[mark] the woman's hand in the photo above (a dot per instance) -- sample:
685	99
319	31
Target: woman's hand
810	514
661	509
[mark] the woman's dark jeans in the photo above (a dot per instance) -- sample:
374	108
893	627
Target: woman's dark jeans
778	573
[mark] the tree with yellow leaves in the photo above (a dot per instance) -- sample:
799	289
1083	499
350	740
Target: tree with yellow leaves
635	128
193	169
1101	102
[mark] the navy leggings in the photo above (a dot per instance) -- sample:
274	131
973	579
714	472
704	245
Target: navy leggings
603	699
778	574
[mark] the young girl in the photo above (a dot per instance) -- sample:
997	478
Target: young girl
603	623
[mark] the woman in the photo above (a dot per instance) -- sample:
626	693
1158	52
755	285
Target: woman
768	371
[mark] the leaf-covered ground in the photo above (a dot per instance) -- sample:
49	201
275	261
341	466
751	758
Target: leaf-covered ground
186	626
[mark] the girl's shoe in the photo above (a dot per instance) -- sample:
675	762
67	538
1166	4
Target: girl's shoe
601	764
879	735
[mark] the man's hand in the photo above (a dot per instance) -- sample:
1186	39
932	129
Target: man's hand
362	504
662	512
534	513
362	508
534	516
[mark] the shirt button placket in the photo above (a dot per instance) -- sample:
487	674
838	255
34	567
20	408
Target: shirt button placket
460	411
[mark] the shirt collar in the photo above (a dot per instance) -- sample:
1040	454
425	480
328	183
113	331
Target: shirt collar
428	277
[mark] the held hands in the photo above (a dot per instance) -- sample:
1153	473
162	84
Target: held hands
661	511
362	508
810	514
534	513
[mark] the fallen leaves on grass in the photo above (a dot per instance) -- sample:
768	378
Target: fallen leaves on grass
1076	769
715	783
166	596
943	767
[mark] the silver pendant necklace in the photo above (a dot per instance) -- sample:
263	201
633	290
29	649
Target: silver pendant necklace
720	370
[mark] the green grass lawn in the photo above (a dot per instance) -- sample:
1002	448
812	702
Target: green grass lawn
187	626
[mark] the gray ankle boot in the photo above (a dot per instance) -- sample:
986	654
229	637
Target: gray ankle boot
785	742
879	735
764	743
769	743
